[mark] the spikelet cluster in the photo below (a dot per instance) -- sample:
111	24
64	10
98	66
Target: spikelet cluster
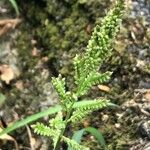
98	49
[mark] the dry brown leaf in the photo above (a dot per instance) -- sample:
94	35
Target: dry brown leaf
89	28
35	52
9	138
147	96
7	73
7	24
19	85
104	88
33	42
85	123
44	59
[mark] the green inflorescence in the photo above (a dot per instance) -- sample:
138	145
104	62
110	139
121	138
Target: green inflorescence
86	75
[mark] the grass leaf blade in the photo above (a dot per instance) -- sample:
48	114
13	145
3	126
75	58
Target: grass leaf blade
97	134
93	131
15	6
30	119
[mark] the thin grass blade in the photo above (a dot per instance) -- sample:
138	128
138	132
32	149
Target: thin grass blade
93	131
30	119
15	6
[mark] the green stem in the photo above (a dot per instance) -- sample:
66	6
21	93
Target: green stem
69	112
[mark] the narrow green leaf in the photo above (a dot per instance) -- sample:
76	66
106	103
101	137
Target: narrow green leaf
32	118
96	133
15	6
78	135
88	102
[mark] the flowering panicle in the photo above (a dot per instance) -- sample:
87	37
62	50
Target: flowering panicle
86	75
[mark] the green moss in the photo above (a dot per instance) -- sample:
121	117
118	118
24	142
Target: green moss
62	25
26	61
